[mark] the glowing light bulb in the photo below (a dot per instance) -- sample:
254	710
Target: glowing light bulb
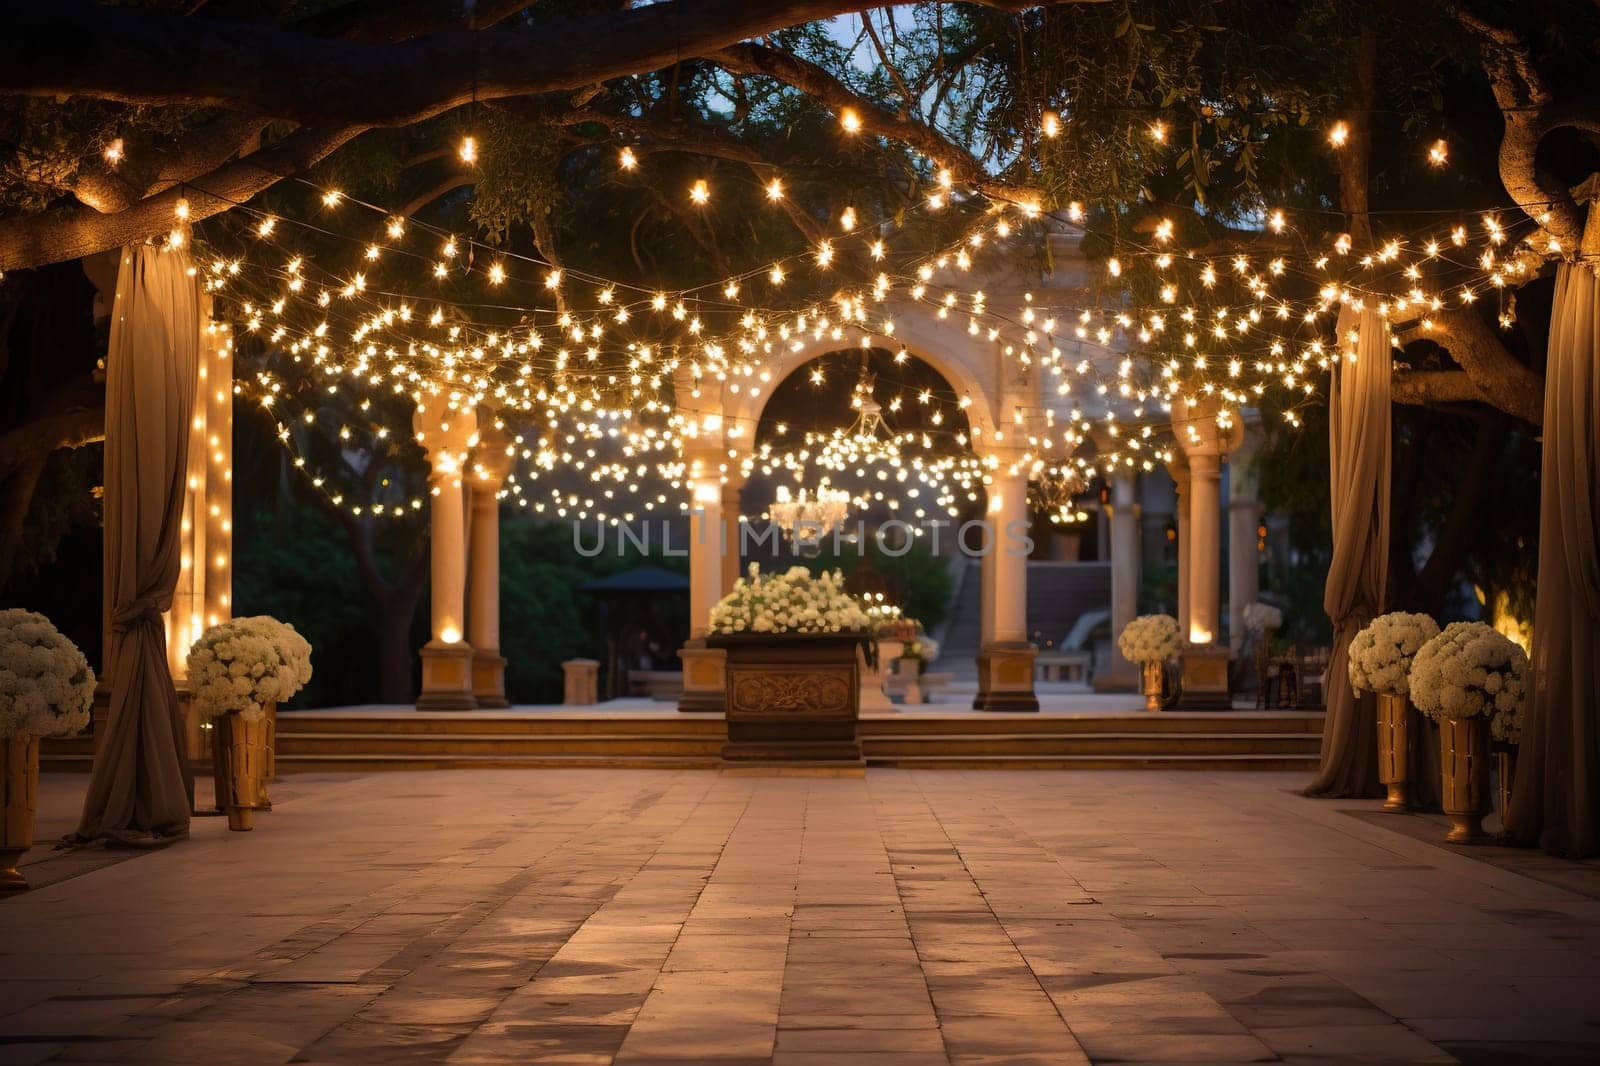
850	120
700	192
1051	124
1339	134
469	149
626	159
1439	153
1158	132
114	152
774	189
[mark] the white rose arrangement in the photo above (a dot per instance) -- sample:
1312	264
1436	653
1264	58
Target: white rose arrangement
792	602
1471	670
1259	617
1381	654
46	686
244	664
1150	638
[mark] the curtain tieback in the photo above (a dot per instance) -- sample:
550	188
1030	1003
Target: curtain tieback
145	609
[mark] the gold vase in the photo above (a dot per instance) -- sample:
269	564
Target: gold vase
1464	768
268	756
1394	731
1505	772
242	744
1153	679
19	799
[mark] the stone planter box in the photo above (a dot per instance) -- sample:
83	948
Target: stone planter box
792	698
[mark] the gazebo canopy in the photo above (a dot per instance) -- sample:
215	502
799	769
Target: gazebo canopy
642	579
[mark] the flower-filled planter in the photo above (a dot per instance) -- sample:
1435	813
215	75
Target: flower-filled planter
46	690
1464	678
239	672
1150	640
793	685
1380	663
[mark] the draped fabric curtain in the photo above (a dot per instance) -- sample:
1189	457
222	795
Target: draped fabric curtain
1358	490
140	788
1556	798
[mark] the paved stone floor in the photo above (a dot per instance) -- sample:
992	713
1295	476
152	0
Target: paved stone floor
912	917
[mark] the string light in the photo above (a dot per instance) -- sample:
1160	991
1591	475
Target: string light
700	192
850	120
469	150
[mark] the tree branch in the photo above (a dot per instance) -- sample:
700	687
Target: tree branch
73	416
71	232
1527	105
1502	380
73	47
817	83
1432	387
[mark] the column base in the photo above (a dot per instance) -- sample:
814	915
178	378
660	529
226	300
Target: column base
1205	684
1005	677
489	678
446	677
705	678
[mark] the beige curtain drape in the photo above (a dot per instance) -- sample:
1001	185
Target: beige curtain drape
1358	491
1556	800
139	792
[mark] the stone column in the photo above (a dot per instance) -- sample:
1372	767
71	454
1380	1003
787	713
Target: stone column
1180	480
1205	548
493	463
704	669
1122	675
1005	662
1244	515
447	433
730	535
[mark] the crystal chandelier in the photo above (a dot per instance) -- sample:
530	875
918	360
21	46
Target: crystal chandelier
817	513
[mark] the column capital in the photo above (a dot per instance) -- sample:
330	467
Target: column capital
1200	429
494	456
445	429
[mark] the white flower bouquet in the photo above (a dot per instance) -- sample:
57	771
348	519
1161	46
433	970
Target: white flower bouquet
1259	617
1470	670
794	601
1150	638
46	686
1381	654
244	664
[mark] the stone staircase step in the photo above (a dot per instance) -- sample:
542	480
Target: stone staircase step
333	742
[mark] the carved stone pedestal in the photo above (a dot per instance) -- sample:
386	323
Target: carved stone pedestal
446	677
1005	677
792	700
489	678
1205	684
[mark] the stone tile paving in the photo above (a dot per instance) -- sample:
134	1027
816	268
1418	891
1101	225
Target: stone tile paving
639	917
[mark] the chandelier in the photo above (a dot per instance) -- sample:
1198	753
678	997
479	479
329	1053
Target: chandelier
1054	492
817	512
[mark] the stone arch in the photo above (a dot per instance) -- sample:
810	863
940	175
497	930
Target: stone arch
971	367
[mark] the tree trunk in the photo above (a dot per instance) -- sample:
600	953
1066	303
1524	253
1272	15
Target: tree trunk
1466	514
395	654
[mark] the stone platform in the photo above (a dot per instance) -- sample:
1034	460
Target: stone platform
1075	731
905	919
